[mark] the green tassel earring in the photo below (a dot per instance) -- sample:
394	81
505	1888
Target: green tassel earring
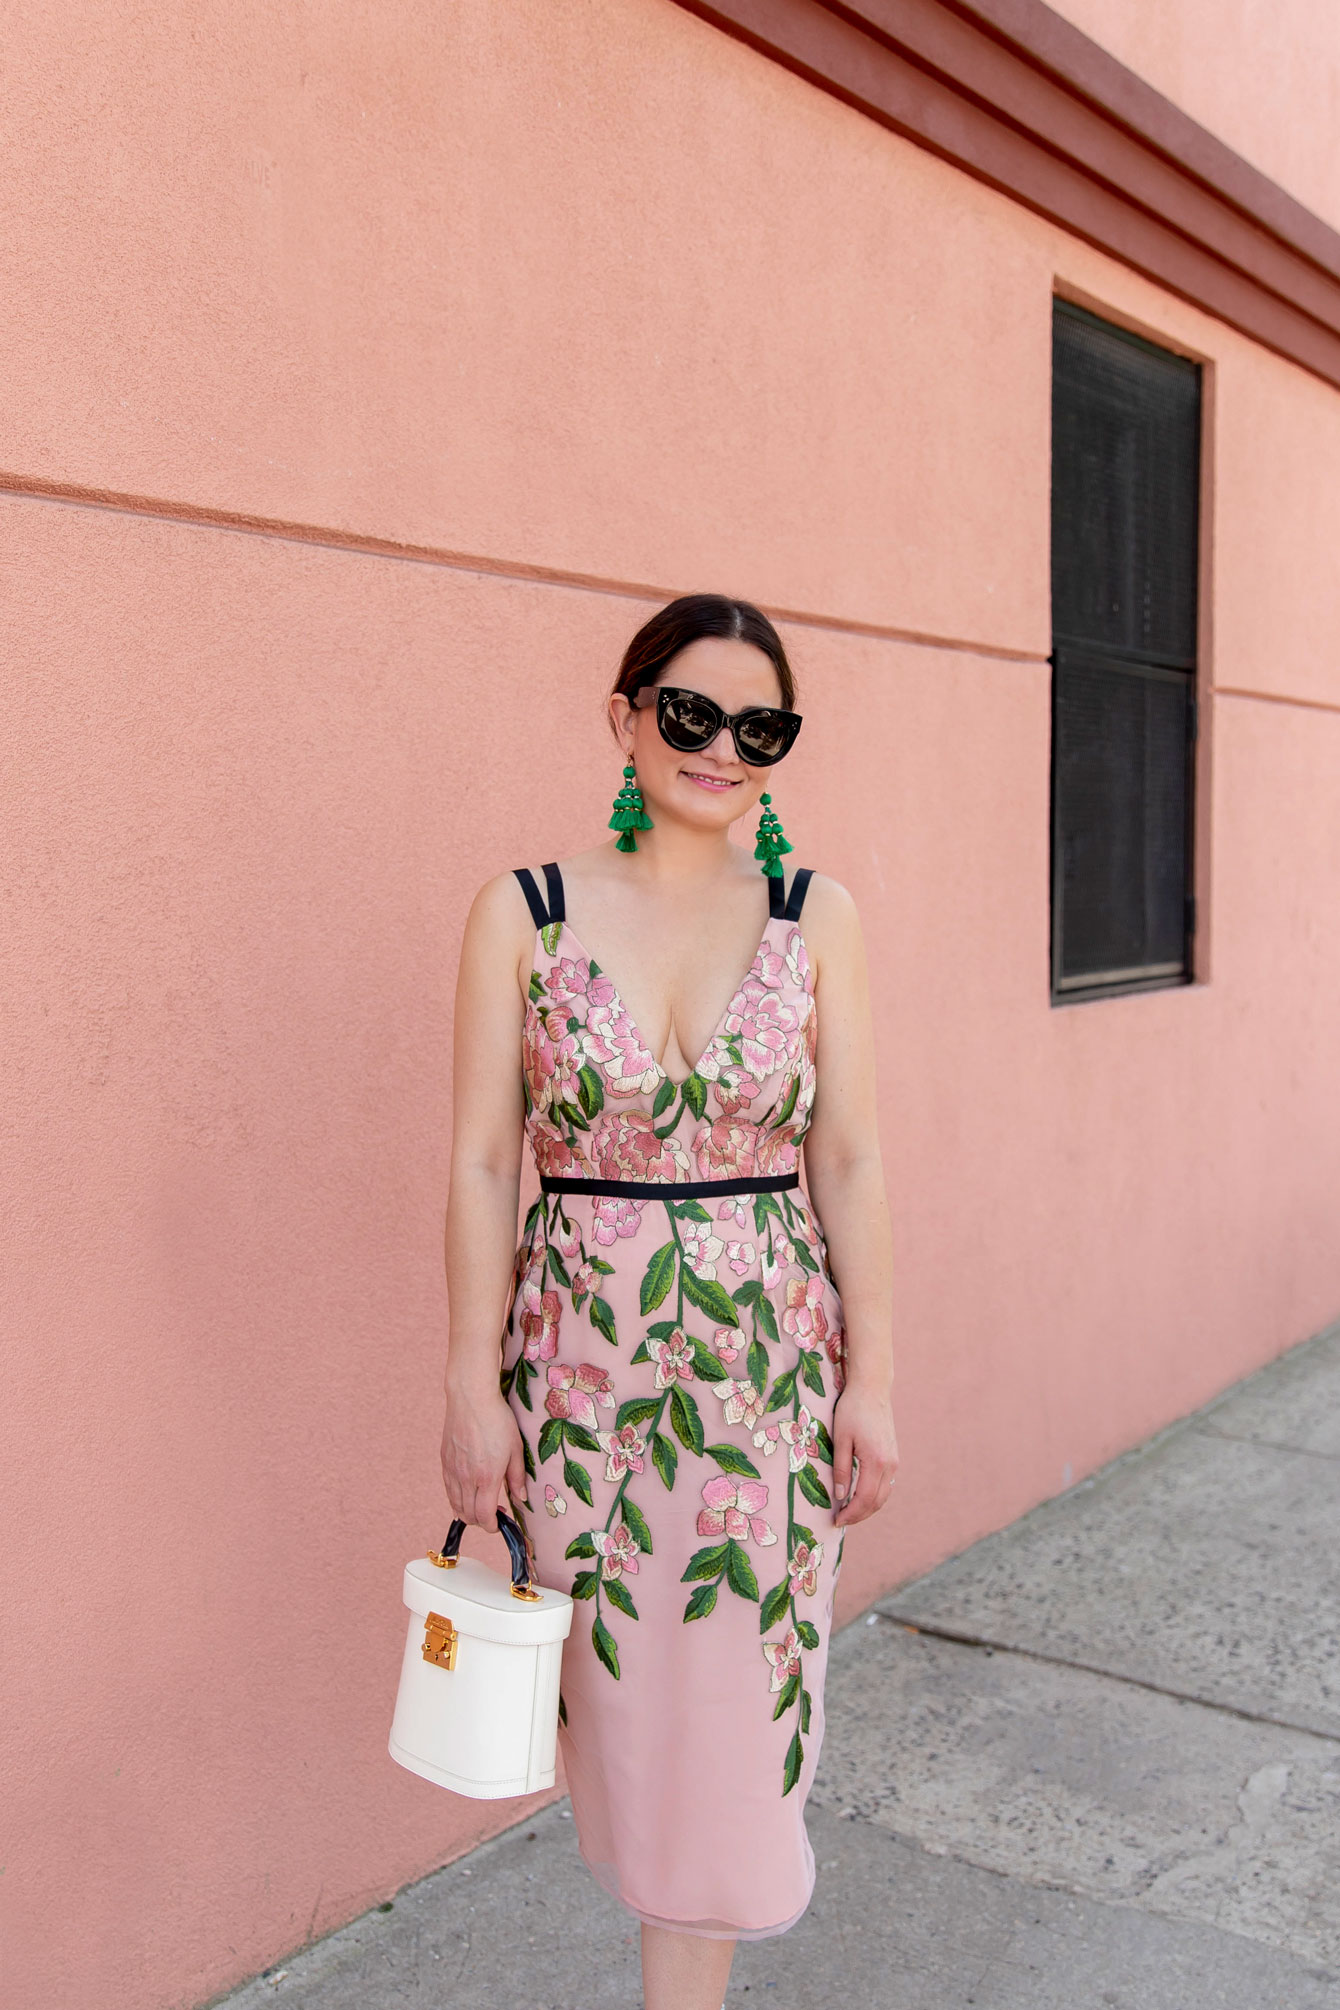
630	814
771	840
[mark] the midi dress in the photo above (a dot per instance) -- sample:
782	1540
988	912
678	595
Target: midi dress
673	1350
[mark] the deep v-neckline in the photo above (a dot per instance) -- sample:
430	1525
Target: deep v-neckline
566	927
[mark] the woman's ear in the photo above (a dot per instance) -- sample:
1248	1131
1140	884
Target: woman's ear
620	718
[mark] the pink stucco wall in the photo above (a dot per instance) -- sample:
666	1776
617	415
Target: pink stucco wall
1264	79
589	305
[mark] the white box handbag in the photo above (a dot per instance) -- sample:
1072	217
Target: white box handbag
477	1708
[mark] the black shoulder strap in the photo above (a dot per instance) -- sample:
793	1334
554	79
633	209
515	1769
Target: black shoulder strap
776	896
553	879
800	886
532	893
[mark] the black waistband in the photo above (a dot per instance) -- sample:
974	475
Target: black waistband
668	1189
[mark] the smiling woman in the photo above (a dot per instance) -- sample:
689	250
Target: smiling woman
680	1386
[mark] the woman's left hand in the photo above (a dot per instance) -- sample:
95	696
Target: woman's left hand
863	1427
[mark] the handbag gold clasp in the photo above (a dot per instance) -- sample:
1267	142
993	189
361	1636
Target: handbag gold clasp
439	1641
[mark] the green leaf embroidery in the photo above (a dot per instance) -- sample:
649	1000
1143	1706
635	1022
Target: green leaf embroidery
749	1292
603	1642
687	1422
640	1353
740	1571
709	1562
581	1545
757	1363
636	1410
581	1439
764	1205
660	1331
694	1093
551	1437
812	1486
709	1297
774	1605
689	1210
791	1769
804	1709
767	1318
825	1443
637	1525
705	1364
549	935
590	1091
578	1479
808	1632
665	1457
731	1460
533	1213
803	1534
782	1115
535	988
783	1390
523	1374
658	1277
527	1455
790	1690
602	1318
665	1095
558	1267
701	1602
804	1259
813	1373
618	1595
584	1584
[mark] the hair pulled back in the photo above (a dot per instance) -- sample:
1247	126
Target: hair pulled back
688	619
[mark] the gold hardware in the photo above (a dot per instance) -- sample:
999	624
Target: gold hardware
442	1562
439	1641
526	1591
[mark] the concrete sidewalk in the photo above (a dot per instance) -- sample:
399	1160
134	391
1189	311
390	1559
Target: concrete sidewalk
1093	1761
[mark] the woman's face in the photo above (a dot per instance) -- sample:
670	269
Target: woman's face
709	789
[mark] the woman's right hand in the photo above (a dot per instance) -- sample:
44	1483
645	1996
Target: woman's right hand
483	1463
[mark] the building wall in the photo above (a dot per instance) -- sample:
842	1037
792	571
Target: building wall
1265	80
363	393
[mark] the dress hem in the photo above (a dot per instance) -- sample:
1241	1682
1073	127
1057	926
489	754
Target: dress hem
605	1877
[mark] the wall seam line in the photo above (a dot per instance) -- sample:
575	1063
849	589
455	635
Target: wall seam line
362	544
1273	697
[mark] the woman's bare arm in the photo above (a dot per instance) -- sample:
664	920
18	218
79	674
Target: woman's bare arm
844	1171
482	1459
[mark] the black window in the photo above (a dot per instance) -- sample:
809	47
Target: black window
1125	548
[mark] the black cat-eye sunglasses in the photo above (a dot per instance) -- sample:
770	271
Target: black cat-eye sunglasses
688	721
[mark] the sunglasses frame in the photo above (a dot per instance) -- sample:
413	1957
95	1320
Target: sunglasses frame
664	693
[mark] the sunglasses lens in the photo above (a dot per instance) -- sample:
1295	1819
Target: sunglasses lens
689	721
765	735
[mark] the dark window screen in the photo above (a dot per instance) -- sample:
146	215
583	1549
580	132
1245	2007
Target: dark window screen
1125	487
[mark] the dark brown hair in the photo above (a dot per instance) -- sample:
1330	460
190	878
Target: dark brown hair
686	620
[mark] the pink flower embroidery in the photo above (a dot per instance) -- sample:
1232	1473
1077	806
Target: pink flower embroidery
624	1145
734	1089
612	1217
797	962
568	1236
611	1043
617	1551
583	1284
570	979
555	1157
732	1508
776	1259
540	1314
571	1391
728	1342
555	1503
785	1658
837	1354
777	1150
725	1149
804	1568
701	1248
767	1438
741	1402
734	1210
762	1021
804	1318
769	967
740	1256
625	1450
802	1434
673	1357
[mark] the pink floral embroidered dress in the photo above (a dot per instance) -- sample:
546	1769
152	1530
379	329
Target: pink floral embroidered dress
673	1352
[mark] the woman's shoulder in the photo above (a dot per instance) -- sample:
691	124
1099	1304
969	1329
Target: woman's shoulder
828	903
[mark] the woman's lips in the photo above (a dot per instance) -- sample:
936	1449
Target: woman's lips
718	783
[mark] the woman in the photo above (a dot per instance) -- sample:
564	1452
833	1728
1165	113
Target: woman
692	1415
